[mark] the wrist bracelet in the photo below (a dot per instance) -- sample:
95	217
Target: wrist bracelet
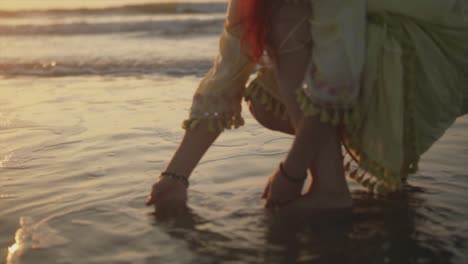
174	176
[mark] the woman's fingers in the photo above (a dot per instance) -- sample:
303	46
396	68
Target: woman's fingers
155	194
279	192
149	200
267	189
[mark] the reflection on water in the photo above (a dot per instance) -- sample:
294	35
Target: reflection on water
16	250
376	230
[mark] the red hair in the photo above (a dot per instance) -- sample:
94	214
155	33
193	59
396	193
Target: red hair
254	16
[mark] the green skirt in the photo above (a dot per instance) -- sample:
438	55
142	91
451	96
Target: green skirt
414	86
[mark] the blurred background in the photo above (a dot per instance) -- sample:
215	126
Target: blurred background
62	38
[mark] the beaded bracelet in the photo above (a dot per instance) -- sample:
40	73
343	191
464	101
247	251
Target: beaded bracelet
289	178
174	176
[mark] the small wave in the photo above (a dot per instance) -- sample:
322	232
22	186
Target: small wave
137	9
165	27
120	68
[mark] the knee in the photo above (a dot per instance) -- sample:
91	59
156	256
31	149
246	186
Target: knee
267	118
259	113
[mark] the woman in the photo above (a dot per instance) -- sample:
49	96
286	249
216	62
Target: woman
384	79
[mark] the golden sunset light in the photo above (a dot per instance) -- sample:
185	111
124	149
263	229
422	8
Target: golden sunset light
233	131
54	4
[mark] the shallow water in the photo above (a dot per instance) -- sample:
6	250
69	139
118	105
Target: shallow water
90	113
79	154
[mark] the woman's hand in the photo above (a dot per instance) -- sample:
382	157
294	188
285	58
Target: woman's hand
280	191
168	194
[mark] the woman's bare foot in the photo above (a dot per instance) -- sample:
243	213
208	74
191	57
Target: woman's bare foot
282	189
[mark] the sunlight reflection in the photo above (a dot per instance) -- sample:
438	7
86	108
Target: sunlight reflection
16	250
5	160
4	121
53	4
13	249
7	196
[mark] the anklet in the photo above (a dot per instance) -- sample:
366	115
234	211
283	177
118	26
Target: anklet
289	178
174	176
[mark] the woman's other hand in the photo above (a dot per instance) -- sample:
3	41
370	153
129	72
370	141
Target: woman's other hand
280	190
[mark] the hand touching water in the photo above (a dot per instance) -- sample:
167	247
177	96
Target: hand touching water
168	194
280	191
